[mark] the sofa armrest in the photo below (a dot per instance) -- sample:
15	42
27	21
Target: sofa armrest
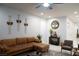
3	48
37	40
0	48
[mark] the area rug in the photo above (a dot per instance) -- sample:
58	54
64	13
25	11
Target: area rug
49	53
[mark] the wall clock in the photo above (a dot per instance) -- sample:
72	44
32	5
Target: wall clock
55	24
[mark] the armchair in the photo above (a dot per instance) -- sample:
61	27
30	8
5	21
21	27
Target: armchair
67	45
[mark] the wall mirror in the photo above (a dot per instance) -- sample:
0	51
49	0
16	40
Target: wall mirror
55	24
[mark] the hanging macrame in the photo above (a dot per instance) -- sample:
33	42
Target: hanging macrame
18	23
25	24
9	23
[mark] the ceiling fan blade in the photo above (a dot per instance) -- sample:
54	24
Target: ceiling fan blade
58	3
38	6
50	8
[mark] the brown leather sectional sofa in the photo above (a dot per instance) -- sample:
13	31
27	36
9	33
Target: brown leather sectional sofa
18	45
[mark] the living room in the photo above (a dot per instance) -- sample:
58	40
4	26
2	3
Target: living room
33	20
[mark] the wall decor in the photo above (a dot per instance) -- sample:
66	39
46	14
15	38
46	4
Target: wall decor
9	23
77	33
18	23
25	24
55	24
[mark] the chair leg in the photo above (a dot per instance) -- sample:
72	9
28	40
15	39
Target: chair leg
61	50
71	52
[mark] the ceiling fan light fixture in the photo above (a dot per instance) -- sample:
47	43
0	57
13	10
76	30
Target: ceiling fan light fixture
42	13
77	16
49	16
46	4
75	12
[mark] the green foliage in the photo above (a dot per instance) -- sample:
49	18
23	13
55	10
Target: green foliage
39	36
51	31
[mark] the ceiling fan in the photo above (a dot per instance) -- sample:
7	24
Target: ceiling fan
47	5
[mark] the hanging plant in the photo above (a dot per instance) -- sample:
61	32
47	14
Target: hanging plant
39	37
9	23
25	24
18	23
51	31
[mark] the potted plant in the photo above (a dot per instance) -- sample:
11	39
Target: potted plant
39	37
51	31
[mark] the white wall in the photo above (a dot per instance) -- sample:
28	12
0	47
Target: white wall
43	30
36	25
71	30
33	28
67	29
61	31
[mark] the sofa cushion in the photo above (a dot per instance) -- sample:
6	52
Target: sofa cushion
41	47
67	47
21	40
1	48
26	39
37	40
4	48
68	43
0	41
20	47
9	42
30	39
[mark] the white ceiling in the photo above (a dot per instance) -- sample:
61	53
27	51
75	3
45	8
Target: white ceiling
66	9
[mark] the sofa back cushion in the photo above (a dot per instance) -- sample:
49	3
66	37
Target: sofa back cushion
30	39
0	45
37	40
0	42
9	42
21	40
68	42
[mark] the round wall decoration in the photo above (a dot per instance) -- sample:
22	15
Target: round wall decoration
55	24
